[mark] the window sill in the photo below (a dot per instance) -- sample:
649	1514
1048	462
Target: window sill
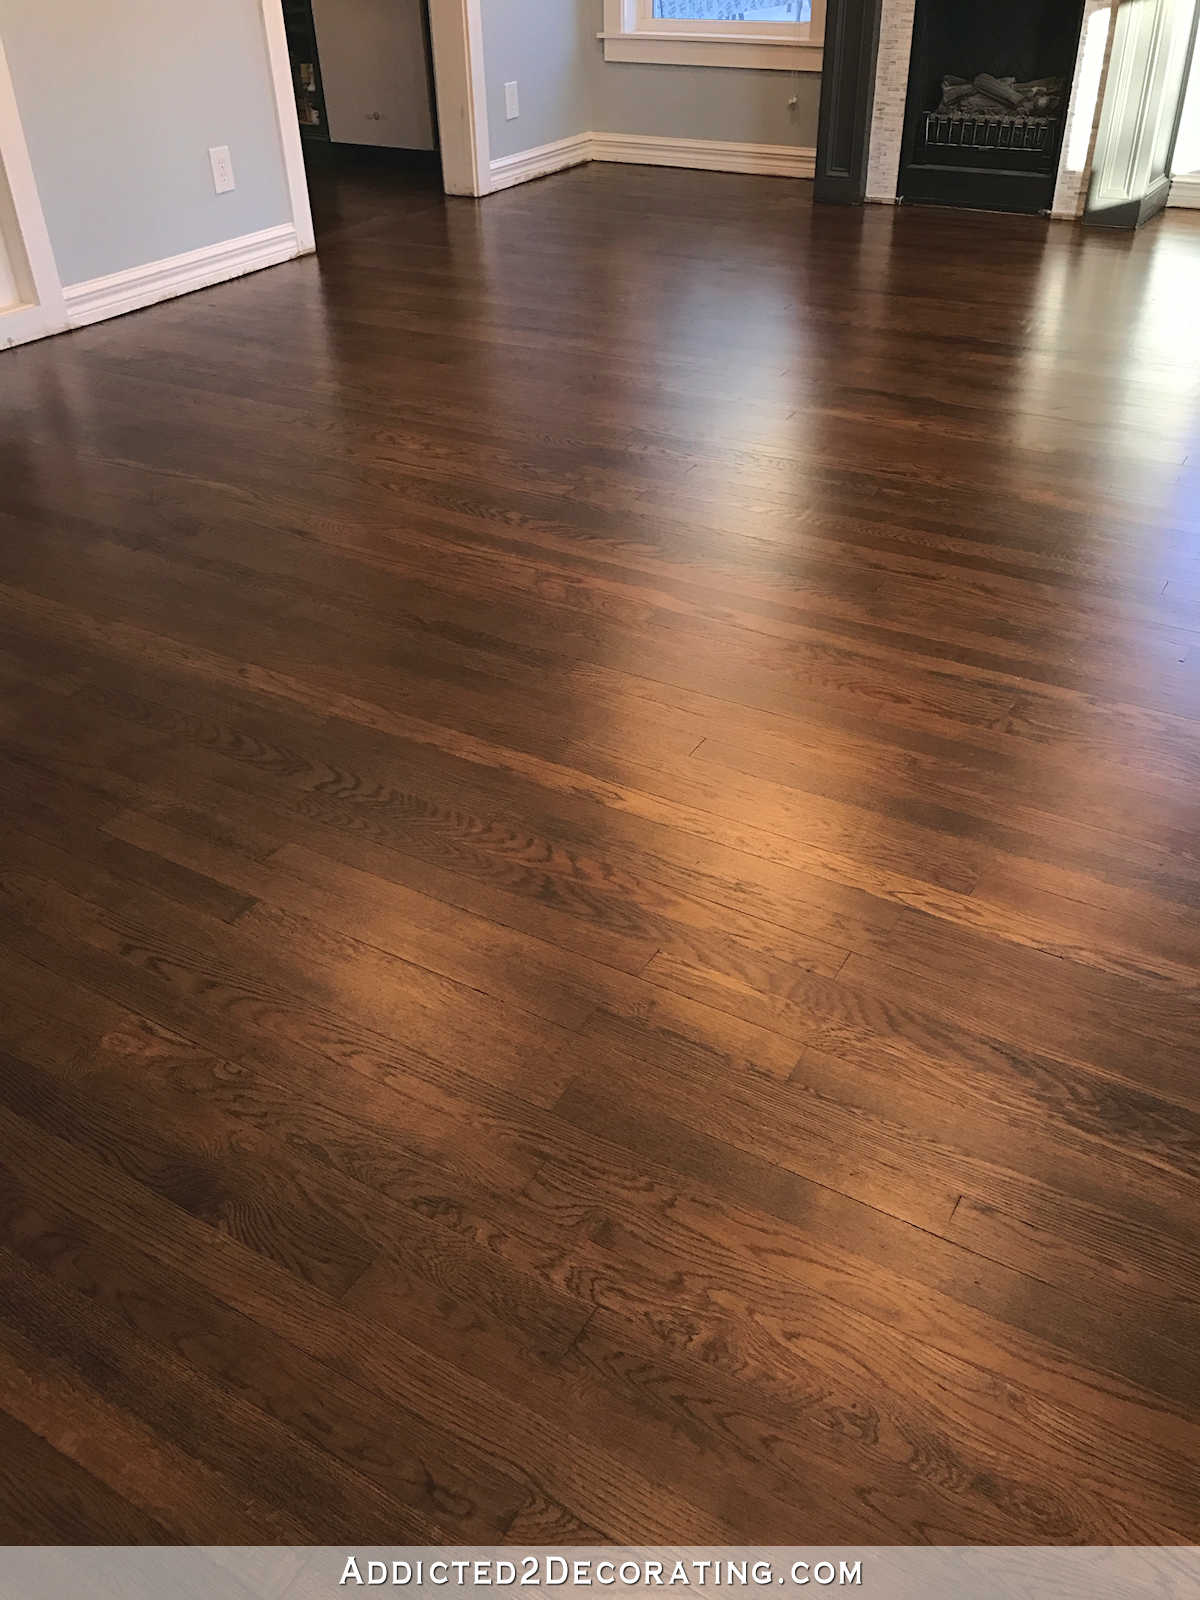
672	50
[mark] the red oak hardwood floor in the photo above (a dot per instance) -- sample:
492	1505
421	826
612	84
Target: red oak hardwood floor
599	882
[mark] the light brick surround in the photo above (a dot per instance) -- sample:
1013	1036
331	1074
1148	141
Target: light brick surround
891	92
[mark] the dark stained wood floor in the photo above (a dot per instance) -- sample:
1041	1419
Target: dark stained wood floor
601	883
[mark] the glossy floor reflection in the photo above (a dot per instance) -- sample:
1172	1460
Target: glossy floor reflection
599	883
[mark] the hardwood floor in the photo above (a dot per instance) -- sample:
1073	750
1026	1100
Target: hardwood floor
600	865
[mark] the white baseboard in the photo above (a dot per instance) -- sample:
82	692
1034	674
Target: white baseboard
1185	192
543	159
22	324
707	155
163	280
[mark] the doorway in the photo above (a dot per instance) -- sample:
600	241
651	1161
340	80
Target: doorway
363	80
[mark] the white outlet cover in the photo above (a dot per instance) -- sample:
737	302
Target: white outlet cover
222	168
512	103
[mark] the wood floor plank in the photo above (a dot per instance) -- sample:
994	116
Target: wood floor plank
879	1236
599	913
189	1502
599	1489
45	1499
400	1455
224	1431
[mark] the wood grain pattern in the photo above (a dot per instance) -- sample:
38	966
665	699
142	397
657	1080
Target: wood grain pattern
599	883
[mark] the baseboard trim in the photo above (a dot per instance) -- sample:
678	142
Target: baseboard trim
22	324
647	150
1185	192
706	155
542	160
138	287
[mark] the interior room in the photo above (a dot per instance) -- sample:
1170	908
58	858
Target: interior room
599	742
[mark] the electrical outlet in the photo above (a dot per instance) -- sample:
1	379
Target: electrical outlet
512	103
222	169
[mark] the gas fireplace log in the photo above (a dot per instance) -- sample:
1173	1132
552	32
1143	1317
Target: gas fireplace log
1002	89
989	96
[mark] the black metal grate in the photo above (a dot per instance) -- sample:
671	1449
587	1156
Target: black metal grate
956	130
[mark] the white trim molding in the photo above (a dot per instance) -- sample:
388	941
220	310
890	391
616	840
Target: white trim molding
707	155
1150	47
667	50
456	34
540	161
40	309
632	34
1185	191
136	287
22	324
1084	106
289	126
648	150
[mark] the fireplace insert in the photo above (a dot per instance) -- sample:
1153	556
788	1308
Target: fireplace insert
987	101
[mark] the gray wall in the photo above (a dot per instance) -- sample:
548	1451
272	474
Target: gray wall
120	101
547	46
551	48
728	103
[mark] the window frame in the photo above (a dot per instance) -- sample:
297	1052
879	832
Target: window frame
633	34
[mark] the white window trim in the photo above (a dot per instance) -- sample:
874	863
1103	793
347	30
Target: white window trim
632	34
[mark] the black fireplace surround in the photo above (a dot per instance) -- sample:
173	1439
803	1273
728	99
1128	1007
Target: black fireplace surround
987	99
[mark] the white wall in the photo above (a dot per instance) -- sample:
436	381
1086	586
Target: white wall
120	101
374	70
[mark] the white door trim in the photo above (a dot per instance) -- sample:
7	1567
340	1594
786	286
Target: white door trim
456	27
41	310
289	125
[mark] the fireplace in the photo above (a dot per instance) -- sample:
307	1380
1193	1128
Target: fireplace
1063	106
988	86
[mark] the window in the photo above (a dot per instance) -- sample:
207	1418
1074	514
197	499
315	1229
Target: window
786	34
727	11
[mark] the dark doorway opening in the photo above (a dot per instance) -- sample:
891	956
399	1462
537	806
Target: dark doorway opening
362	71
305	58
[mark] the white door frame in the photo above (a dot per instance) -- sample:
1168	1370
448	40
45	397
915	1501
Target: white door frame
456	35
41	309
289	124
456	28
